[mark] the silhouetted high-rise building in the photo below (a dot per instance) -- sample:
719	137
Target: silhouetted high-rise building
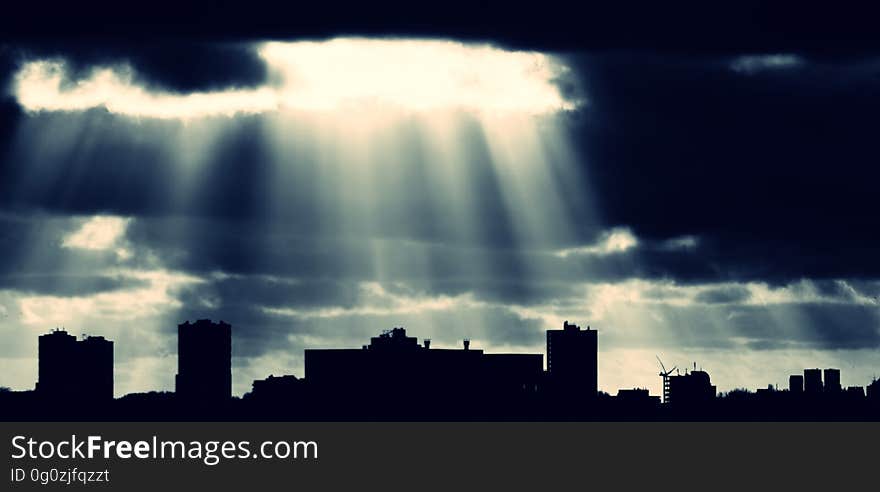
204	361
96	357
572	361
796	384
812	381
57	360
832	381
75	369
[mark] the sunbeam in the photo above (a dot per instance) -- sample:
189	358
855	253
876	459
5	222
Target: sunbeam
411	161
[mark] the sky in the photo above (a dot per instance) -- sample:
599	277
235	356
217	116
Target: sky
710	204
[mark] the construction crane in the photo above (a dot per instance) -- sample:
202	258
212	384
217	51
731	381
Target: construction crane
665	375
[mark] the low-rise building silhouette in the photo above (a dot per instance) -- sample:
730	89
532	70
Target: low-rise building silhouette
691	389
73	369
276	389
855	392
395	366
204	361
637	397
872	391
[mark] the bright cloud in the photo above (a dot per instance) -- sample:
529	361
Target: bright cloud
337	74
617	240
413	74
40	86
157	297
100	232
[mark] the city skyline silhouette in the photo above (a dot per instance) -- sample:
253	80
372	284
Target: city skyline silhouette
395	377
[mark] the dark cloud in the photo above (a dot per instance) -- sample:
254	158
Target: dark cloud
9	110
810	325
67	285
32	252
505	328
663	294
492	274
771	345
9	117
322	268
795	326
93	163
722	295
775	164
163	65
847	290
275	292
518	290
